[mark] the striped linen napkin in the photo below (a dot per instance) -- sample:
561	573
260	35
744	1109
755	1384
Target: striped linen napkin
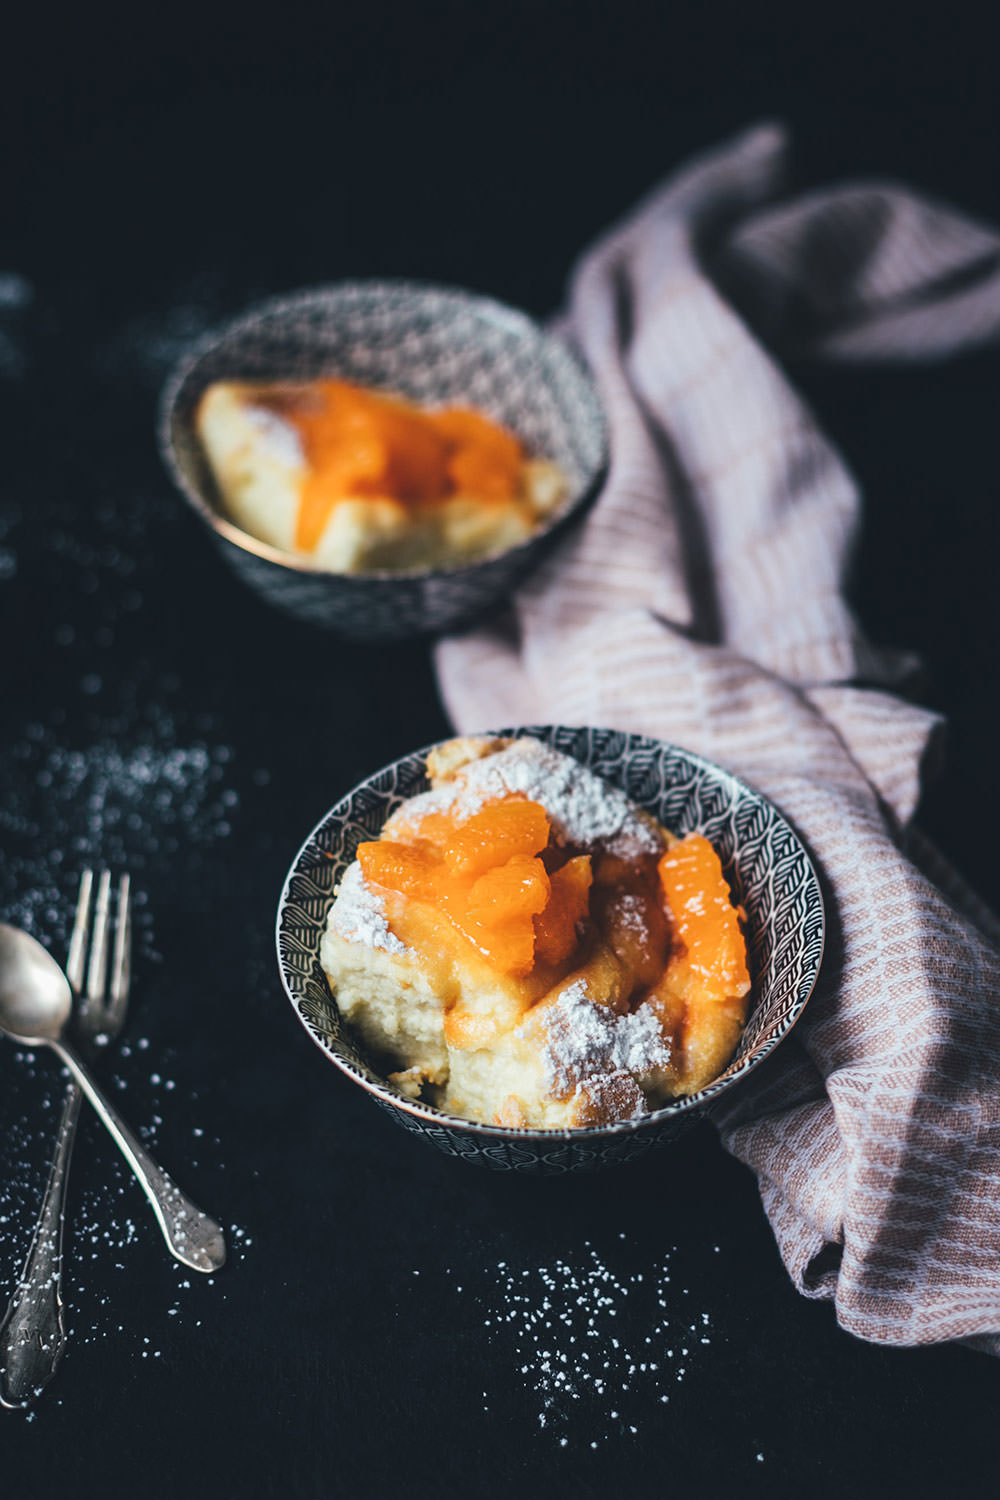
701	602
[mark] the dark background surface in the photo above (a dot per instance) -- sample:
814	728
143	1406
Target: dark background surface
363	1336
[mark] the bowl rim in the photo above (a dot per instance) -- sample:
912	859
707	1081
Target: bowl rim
430	1114
491	309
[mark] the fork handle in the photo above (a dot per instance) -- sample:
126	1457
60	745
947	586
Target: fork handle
33	1333
191	1236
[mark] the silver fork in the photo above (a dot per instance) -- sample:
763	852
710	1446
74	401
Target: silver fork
33	1332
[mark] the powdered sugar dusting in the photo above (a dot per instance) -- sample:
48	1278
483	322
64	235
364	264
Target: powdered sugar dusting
125	806
630	912
16	297
585	1041
109	1225
279	438
609	1096
593	1344
358	914
148	346
584	808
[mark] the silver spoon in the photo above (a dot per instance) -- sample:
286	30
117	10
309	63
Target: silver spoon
35	1006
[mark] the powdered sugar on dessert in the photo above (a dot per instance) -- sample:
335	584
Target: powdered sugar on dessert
583	808
279	439
631	912
587	1042
358	914
609	1096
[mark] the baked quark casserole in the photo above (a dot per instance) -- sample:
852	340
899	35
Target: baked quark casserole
353	480
523	945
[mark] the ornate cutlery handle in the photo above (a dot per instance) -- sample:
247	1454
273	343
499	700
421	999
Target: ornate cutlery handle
191	1236
33	1334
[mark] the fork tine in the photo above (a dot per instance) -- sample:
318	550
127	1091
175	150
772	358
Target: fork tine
93	999
78	941
121	962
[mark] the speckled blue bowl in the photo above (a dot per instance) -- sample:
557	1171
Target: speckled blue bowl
769	872
436	345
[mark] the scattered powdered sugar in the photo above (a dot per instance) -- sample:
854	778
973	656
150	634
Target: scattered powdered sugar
128	804
583	807
586	1042
109	1225
16	297
125	805
15	291
103	763
358	914
595	1346
149	345
278	437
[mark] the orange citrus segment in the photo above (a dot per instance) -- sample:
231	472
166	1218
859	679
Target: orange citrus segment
361	443
495	835
517	888
358	467
485	459
407	868
493	909
496	912
705	921
509	947
556	924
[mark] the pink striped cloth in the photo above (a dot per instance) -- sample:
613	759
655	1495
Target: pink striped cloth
701	602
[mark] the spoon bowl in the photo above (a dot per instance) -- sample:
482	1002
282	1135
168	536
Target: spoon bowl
35	997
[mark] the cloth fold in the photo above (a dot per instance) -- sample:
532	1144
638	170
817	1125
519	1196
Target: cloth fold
701	601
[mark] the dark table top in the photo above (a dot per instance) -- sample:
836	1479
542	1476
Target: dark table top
390	1318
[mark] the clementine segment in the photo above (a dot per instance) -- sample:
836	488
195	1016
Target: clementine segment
568	904
517	888
485	459
496	834
407	868
483	875
364	443
498	910
705	921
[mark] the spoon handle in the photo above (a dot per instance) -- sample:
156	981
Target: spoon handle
191	1236
33	1333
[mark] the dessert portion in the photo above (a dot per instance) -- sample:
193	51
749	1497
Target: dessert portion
355	480
523	945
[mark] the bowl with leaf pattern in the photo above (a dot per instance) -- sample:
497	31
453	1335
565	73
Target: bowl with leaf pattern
436	346
769	872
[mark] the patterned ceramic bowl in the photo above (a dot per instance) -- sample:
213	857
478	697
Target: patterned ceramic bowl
434	345
769	873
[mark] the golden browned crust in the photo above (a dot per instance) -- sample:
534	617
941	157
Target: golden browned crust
446	760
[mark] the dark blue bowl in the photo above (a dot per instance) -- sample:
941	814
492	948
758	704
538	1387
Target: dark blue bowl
769	872
435	345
